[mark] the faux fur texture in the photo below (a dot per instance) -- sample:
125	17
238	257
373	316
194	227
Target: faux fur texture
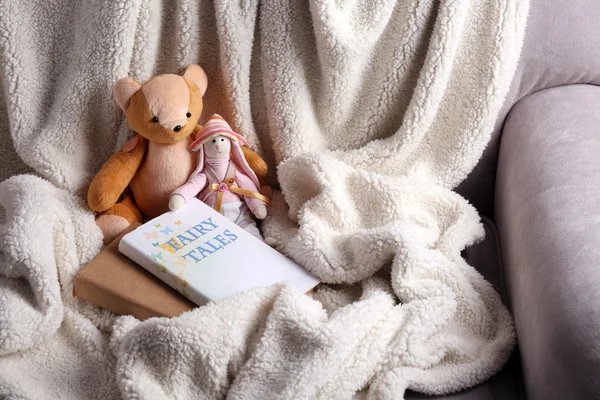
372	110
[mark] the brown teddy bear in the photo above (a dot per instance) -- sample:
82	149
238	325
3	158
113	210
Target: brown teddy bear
136	182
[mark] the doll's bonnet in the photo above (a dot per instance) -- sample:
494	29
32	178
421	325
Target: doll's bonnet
217	126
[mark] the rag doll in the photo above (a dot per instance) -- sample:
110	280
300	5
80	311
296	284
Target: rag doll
223	178
135	183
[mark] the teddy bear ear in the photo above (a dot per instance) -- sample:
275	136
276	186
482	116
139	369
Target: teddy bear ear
124	89
196	74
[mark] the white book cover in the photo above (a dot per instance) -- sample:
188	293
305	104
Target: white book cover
206	257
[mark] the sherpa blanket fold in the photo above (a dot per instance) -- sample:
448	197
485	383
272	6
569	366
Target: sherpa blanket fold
371	111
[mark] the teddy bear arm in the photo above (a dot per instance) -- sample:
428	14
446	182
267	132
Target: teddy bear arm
115	175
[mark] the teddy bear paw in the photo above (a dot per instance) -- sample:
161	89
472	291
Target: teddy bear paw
111	226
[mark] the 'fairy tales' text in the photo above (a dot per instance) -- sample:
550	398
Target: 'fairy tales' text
189	239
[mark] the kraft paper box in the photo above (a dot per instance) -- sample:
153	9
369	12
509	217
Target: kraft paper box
114	282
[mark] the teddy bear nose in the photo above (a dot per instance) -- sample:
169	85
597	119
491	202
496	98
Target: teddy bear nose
177	128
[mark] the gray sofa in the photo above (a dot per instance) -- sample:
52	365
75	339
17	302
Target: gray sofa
542	251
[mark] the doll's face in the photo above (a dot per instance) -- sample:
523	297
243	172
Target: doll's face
217	148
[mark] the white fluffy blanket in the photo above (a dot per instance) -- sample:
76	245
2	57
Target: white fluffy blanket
372	110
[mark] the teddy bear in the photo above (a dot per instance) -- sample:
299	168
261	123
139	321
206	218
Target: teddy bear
135	183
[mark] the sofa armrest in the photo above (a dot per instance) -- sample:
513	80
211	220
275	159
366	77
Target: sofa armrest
547	209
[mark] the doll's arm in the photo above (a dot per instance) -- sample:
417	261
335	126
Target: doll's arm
116	173
192	187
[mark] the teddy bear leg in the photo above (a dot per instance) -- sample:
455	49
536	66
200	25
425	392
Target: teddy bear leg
118	218
265	189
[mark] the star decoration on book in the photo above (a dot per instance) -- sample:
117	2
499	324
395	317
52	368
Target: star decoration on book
168	248
177	222
166	231
155	244
184	283
157	225
159	267
151	235
157	256
182	262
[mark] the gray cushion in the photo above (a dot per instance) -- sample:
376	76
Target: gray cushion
561	45
548	216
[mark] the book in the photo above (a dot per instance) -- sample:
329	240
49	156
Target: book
206	257
114	282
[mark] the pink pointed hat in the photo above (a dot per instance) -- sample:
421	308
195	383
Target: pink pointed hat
217	126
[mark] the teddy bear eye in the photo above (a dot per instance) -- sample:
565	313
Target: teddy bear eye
189	115
214	140
222	140
155	119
